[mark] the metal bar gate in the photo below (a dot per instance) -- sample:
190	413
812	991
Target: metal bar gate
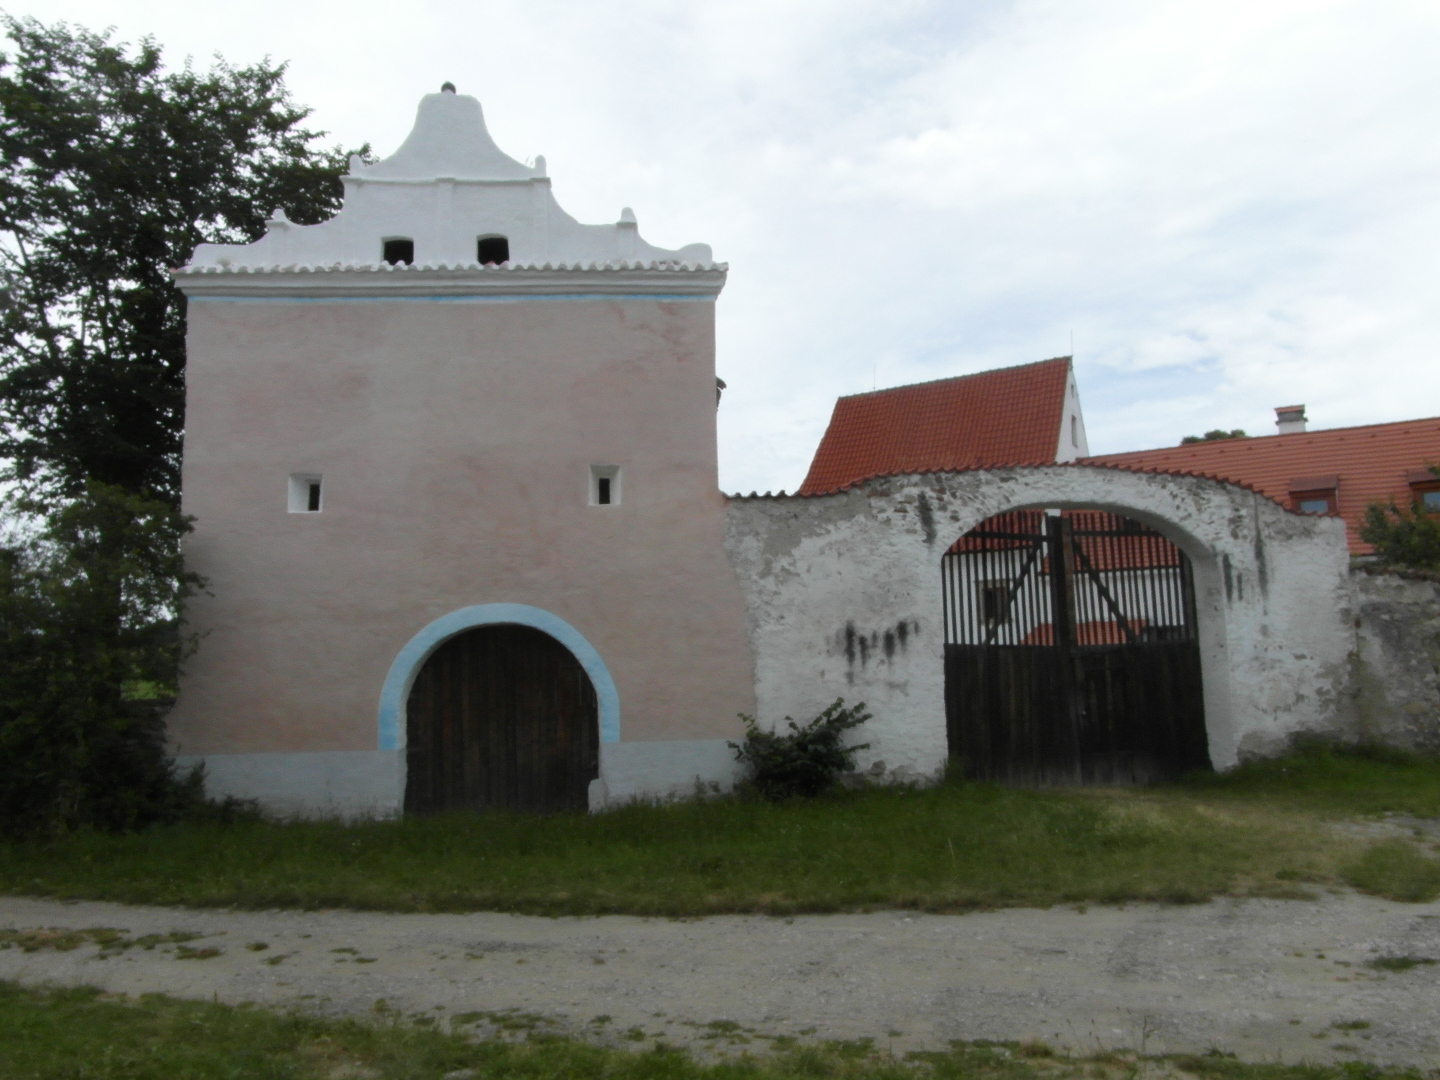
1071	653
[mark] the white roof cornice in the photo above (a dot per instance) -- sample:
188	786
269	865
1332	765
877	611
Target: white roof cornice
620	278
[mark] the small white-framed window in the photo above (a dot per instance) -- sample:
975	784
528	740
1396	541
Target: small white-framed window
1074	431
307	493
604	485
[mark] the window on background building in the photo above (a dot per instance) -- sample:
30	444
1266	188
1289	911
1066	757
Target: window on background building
995	602
398	250
1425	490
1315	494
1313	502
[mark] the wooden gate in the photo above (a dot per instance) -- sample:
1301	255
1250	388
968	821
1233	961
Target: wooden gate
1071	654
501	717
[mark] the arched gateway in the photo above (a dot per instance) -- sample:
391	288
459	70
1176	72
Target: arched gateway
842	592
501	717
1071	651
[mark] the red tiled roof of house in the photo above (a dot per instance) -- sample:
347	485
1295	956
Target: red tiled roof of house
1010	416
1374	463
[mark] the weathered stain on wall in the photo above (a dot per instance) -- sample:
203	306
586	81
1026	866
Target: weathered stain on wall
887	645
1397	660
830	582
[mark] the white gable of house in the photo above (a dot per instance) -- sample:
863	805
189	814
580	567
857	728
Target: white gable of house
445	187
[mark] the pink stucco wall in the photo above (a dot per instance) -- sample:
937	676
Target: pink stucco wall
455	440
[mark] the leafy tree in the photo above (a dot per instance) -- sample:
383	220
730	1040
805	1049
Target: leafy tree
89	650
1211	436
112	169
1409	538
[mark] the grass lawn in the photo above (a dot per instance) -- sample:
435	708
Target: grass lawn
50	1035
1261	830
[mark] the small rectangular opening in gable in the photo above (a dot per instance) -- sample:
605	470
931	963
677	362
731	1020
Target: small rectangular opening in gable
604	485
306	493
492	249
398	250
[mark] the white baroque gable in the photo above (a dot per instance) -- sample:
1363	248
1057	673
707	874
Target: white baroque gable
445	187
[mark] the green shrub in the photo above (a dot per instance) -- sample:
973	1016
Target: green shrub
1211	436
1409	538
805	761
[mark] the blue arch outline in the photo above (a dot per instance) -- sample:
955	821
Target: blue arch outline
418	649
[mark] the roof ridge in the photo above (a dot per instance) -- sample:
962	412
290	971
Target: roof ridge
1253	438
956	378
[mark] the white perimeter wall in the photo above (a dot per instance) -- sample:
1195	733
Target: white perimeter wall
843	599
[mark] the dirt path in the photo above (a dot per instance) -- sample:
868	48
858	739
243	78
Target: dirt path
1265	979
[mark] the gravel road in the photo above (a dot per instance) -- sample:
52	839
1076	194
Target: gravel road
1265	979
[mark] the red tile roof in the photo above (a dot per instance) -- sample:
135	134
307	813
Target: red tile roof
1375	463
1010	416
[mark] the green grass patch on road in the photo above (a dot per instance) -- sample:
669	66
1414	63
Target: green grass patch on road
952	847
65	1034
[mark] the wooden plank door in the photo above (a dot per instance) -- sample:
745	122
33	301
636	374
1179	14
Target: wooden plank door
501	717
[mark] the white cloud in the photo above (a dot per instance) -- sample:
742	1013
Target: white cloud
1231	204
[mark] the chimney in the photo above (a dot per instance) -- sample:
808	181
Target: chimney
1290	419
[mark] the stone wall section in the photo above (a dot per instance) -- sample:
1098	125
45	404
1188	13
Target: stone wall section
843	599
1397	659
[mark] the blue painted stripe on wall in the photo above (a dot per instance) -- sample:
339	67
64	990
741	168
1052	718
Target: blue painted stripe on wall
445	299
418	649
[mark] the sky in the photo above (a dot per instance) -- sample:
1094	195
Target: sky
1218	207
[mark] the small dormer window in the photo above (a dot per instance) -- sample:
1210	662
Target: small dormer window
1425	490
398	250
1315	494
492	249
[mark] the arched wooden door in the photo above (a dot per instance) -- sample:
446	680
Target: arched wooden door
501	717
